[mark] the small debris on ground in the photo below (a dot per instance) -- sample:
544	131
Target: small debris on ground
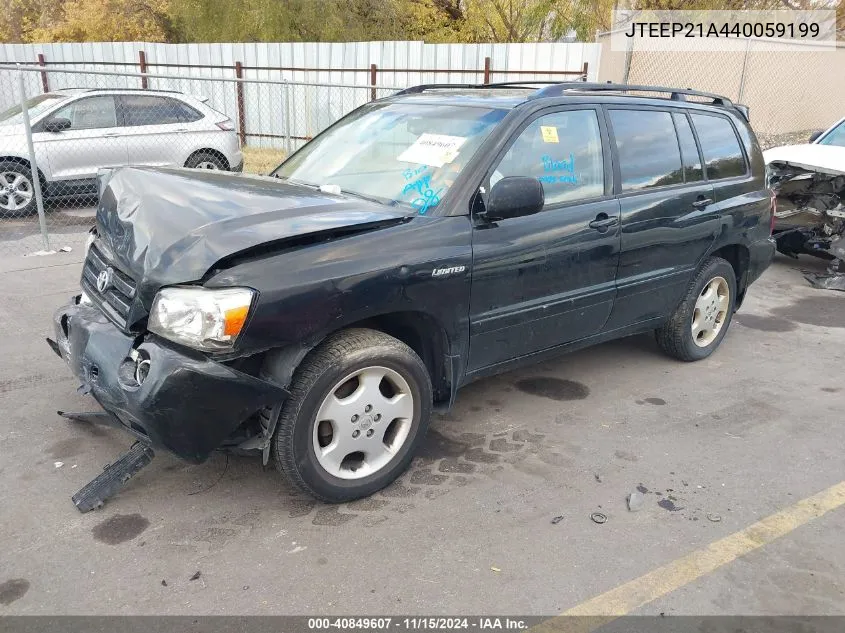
635	501
495	569
715	518
163	583
557	519
58	464
598	477
195	576
598	517
65	249
668	504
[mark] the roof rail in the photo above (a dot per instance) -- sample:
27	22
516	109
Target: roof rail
89	89
676	94
558	88
501	84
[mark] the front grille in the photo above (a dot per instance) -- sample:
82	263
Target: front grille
116	300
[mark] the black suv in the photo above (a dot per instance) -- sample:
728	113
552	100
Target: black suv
442	234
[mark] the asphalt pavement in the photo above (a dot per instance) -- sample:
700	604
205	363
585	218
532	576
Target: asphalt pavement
494	517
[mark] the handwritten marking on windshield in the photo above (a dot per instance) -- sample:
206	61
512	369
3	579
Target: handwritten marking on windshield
428	197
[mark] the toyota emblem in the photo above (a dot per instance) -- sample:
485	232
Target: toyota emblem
104	280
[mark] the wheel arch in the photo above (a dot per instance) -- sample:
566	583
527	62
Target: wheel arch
739	257
418	330
21	160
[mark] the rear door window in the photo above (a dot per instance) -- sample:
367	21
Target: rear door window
723	156
648	149
563	151
155	110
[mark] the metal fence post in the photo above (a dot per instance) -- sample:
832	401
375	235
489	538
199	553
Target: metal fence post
288	140
373	76
486	70
36	181
45	85
742	75
239	93
142	64
628	55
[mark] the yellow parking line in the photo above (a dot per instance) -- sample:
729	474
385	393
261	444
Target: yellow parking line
663	580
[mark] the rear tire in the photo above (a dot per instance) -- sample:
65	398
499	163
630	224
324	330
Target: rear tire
206	160
700	322
17	193
373	396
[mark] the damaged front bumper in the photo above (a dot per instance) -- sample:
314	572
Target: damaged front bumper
178	400
810	215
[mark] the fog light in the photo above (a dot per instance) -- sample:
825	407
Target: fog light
142	368
134	369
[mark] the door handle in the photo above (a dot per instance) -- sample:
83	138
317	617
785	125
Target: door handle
702	202
603	222
110	134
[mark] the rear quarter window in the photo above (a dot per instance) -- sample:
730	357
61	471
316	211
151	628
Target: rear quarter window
723	157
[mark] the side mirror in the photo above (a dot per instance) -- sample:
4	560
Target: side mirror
815	135
56	125
514	197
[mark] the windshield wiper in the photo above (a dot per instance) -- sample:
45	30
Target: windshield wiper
363	196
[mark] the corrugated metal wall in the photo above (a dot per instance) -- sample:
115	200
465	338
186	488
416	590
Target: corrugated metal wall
333	62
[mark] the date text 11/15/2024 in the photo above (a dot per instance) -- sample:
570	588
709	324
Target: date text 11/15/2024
419	623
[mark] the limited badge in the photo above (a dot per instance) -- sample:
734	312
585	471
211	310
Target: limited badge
549	133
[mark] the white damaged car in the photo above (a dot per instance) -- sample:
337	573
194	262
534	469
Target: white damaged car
809	182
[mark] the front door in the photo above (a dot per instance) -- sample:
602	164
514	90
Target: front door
92	141
546	279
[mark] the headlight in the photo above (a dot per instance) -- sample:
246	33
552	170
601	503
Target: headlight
206	319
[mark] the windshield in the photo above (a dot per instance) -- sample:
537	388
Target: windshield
398	154
835	137
36	106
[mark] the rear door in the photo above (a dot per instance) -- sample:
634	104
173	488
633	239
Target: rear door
668	216
547	279
92	141
161	131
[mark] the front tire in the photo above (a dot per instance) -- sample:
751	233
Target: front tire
17	193
700	322
360	405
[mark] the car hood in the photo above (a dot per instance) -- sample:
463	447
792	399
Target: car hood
167	226
829	159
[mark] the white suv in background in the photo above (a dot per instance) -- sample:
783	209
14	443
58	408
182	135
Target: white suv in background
77	131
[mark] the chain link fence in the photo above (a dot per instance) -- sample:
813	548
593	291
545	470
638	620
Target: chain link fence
74	122
790	93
